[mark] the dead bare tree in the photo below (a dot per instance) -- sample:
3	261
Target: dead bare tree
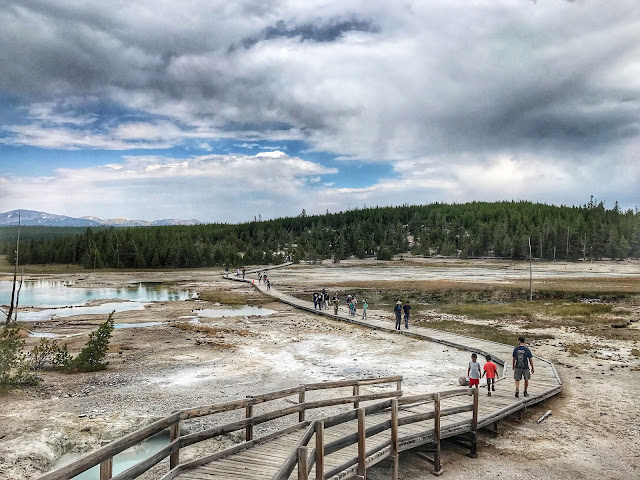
15	315
15	275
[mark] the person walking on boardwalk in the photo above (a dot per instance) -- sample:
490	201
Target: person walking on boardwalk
522	358
365	305
243	272
398	311
336	300
407	311
490	369
268	285
315	300
473	372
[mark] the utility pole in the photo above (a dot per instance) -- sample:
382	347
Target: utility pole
530	273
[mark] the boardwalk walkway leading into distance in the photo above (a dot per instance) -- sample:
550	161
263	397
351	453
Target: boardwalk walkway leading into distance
379	421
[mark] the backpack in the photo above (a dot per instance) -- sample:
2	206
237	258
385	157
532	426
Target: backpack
521	358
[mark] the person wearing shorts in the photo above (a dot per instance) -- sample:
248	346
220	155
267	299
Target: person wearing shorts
522	359
490	369
473	372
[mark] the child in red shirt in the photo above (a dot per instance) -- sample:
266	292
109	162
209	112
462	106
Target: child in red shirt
490	369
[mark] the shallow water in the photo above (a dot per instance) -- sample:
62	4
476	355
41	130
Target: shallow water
104	309
56	293
122	461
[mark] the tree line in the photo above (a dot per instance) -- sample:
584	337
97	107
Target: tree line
476	229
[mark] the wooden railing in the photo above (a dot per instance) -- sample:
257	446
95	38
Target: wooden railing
177	441
304	460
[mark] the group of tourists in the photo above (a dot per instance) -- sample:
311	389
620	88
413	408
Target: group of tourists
522	359
262	278
321	300
399	310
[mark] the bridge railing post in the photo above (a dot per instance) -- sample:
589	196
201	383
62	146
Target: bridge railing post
303	464
394	438
356	392
437	466
319	450
106	469
399	385
248	434
301	401
174	433
362	439
474	425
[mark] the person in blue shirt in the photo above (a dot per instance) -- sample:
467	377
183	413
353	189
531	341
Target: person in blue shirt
398	311
522	358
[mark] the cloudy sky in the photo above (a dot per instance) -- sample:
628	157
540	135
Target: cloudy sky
224	110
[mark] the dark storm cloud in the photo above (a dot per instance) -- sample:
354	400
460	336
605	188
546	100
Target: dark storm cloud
458	81
317	33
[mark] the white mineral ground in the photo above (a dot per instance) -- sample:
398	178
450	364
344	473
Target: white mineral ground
594	431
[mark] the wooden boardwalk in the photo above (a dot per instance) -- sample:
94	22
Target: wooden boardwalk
378	423
263	461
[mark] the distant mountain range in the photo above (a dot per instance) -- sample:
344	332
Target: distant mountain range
33	218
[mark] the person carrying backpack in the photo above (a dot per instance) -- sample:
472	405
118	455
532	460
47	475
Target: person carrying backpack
522	358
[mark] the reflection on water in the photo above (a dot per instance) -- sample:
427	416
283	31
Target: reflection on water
122	461
56	293
104	309
246	310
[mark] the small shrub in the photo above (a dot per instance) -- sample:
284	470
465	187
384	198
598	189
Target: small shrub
635	352
48	354
13	368
92	356
384	254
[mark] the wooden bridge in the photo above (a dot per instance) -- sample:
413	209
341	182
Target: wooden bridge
329	430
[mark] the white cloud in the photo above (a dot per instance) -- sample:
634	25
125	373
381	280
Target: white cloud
207	187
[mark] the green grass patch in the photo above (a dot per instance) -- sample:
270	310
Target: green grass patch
484	332
526	310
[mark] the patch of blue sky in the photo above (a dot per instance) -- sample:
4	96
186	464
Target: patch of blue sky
24	160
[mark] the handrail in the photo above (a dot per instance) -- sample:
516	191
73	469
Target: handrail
299	458
109	451
104	456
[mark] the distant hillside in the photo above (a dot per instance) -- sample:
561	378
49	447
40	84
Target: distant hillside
500	229
34	218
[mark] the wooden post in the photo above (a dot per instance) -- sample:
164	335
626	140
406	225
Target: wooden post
399	385
362	450
356	392
301	400
394	438
174	433
437	466
319	450
530	273
106	469
303	464
474	425
248	434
